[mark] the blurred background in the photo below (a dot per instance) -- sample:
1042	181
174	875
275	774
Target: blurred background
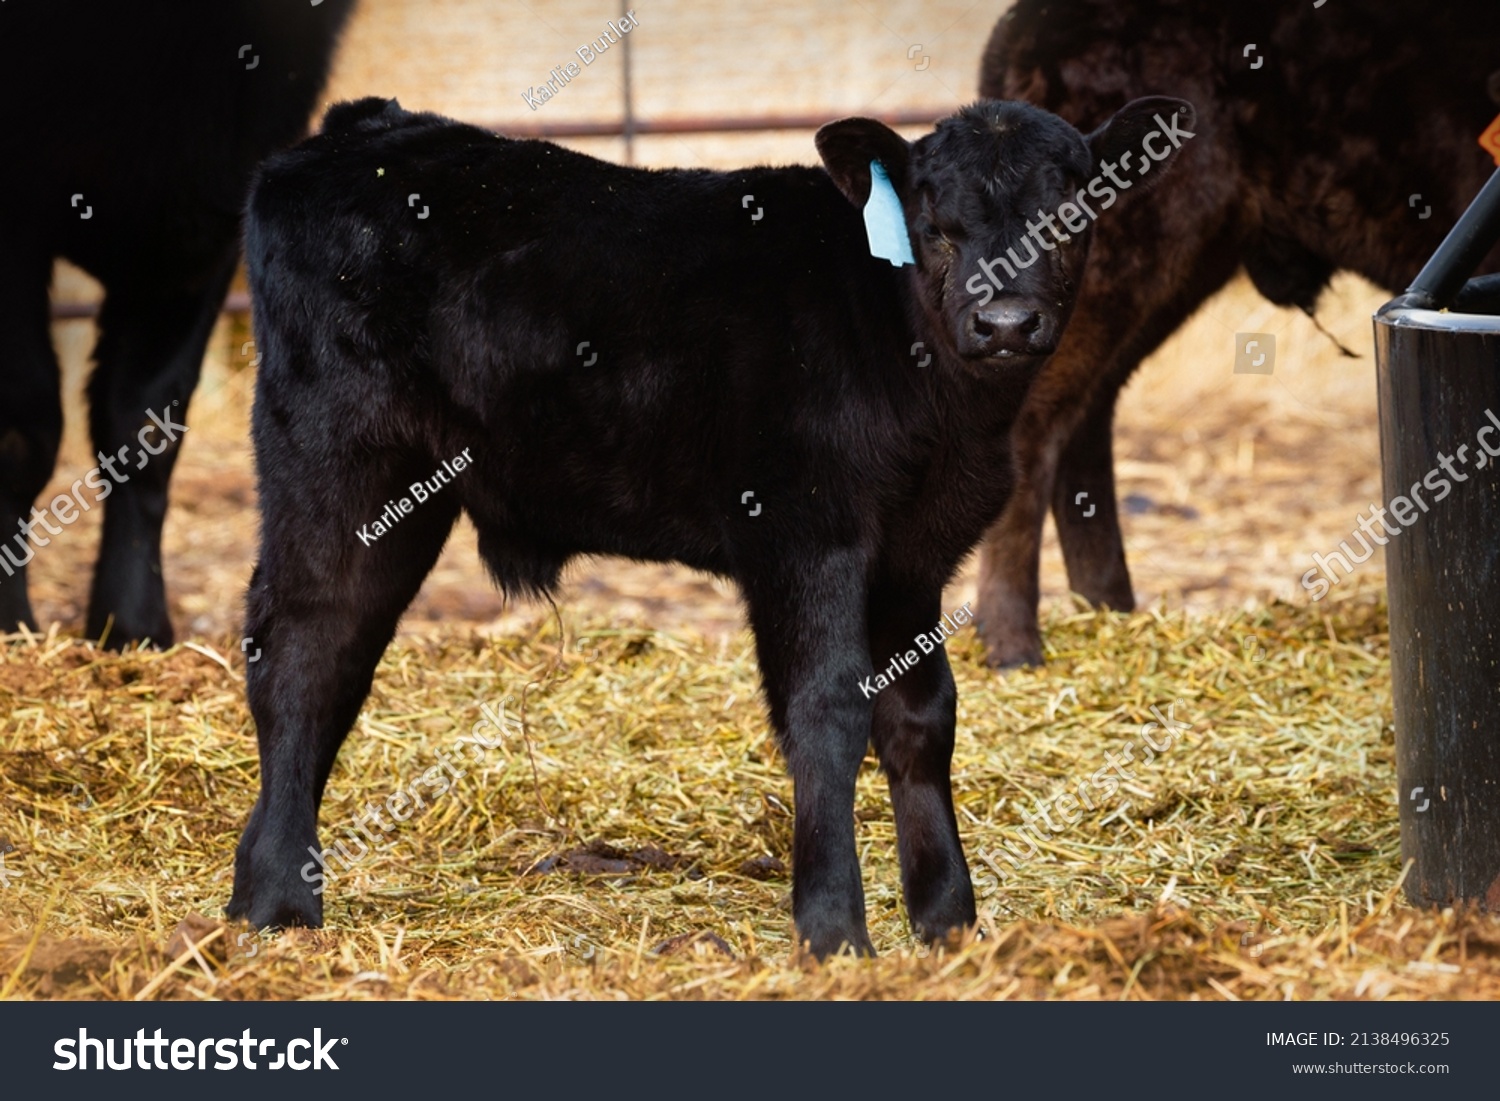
1229	481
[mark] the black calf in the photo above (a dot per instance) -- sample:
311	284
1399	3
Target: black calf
623	354
136	171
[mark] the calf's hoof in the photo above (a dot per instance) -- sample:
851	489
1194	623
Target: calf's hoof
948	915
270	913
271	901
828	938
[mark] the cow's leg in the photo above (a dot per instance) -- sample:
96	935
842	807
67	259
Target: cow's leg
31	420
912	732
810	639
150	353
1063	444
1010	559
321	609
1084	505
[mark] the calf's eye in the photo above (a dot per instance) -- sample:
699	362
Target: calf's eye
931	233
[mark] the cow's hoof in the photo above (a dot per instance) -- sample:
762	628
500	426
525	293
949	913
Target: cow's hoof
1003	664
1115	596
122	632
1003	653
15	612
1012	639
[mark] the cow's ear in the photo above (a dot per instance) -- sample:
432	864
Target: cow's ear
1129	134
849	145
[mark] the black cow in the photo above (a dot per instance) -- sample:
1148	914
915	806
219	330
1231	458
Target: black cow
591	359
1334	136
136	170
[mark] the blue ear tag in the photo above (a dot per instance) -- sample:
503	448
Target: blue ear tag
885	223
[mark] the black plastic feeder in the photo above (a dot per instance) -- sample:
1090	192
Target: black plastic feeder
1439	379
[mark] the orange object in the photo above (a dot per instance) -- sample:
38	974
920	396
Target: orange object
1490	139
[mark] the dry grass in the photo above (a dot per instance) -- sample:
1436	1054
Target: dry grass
1257	858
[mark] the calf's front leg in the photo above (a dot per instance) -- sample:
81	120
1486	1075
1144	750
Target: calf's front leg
913	733
810	641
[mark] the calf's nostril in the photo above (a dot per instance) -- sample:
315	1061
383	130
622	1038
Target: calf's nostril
1030	323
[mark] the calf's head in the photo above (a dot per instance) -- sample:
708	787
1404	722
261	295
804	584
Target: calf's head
999	203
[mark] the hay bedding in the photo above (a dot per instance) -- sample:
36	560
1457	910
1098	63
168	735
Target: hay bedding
634	843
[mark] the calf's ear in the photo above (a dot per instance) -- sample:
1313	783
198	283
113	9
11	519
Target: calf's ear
1153	130
849	145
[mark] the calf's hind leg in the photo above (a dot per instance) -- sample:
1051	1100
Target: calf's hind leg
322	608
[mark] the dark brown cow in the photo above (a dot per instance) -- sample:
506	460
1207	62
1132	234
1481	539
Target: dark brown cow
1316	126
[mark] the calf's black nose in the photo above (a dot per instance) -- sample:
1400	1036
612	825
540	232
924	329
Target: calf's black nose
1009	327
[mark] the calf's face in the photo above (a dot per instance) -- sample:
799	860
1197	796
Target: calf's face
999	203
